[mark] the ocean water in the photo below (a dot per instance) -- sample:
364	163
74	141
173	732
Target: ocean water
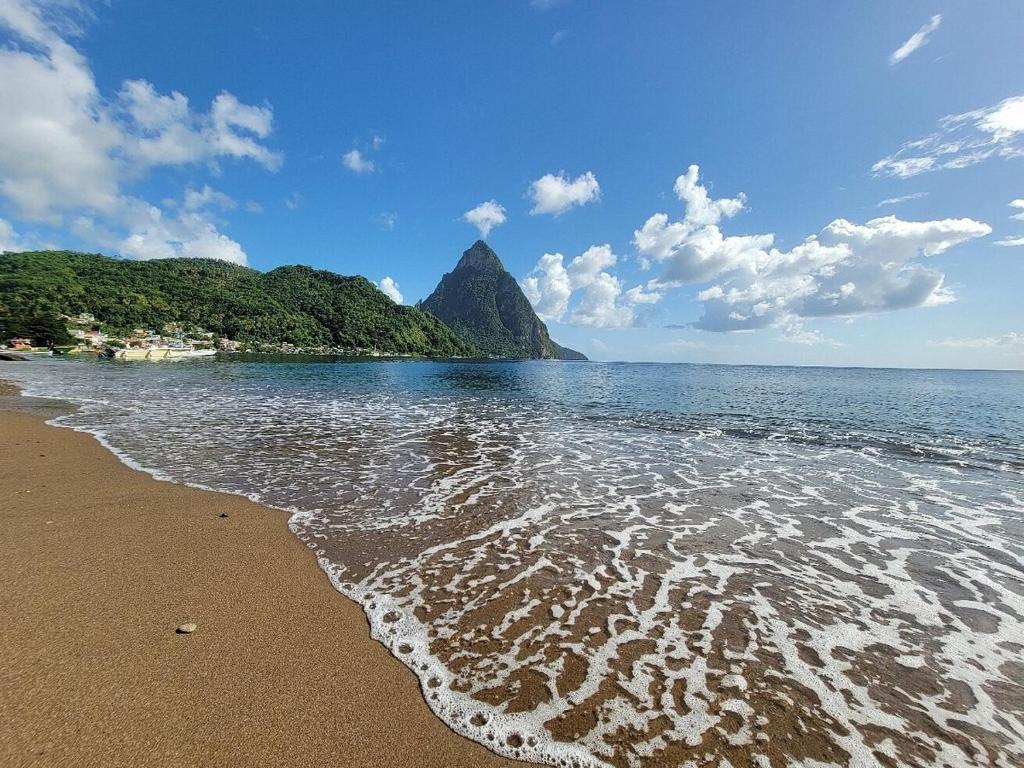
636	564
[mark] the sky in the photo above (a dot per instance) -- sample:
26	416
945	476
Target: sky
768	183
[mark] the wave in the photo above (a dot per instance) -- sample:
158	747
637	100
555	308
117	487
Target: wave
606	584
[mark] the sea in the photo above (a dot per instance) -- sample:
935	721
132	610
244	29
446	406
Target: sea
635	565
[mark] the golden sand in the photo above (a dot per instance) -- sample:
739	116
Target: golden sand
101	563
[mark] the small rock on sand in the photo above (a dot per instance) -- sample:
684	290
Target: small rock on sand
186	629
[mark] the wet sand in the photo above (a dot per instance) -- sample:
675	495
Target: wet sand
101	563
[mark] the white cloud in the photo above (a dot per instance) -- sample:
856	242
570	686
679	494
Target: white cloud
387	220
162	130
916	40
1010	242
559	36
557	194
962	140
549	287
143	231
602	302
1019	205
195	200
694	248
293	201
1011	341
847	269
9	240
58	144
67	150
794	333
637	295
599	305
356	162
901	199
390	289
701	209
486	216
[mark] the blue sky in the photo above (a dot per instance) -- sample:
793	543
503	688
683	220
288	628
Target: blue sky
356	137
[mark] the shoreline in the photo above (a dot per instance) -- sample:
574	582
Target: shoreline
104	562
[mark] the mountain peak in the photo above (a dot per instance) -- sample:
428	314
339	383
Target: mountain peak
480	256
485	306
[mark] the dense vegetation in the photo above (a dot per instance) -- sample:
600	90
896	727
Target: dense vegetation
485	306
297	305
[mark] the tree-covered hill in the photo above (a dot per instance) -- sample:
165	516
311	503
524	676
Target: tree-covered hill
298	305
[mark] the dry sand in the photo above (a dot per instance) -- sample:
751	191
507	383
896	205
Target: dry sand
100	563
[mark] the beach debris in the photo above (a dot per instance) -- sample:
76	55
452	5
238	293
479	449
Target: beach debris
186	629
223	514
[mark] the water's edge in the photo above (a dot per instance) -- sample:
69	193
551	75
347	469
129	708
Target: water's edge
455	710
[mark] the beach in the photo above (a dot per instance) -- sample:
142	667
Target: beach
102	563
570	565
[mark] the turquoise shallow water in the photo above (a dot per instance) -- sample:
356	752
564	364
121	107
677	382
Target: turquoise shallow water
641	564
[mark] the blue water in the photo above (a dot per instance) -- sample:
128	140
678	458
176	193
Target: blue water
636	564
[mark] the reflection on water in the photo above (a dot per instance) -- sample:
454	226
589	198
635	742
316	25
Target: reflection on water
641	565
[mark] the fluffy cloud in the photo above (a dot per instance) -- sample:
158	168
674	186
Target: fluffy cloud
356	162
9	240
548	287
916	40
961	141
144	231
793	332
390	289
600	307
58	144
701	210
66	149
845	270
694	249
486	216
557	194
162	130
602	302
196	200
1019	205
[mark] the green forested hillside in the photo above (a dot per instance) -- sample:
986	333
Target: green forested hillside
298	305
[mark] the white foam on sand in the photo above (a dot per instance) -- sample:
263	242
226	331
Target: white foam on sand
573	592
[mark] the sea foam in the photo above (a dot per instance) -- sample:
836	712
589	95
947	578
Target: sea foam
585	588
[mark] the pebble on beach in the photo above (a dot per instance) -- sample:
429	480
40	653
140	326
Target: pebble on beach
186	629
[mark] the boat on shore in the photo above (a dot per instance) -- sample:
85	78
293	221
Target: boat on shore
157	353
34	352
